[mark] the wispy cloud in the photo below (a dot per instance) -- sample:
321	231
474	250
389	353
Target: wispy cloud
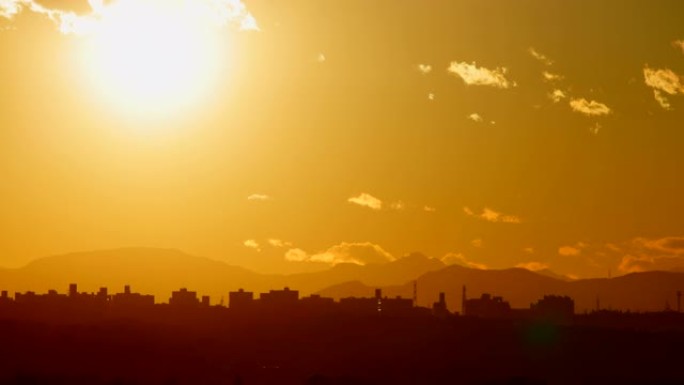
533	266
471	74
557	95
551	77
424	68
279	243
366	200
252	244
679	44
539	56
589	107
569	251
360	253
477	242
429	209
645	254
207	12
490	215
475	117
460	259
663	81
259	197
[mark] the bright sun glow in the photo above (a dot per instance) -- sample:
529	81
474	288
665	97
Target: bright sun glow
153	57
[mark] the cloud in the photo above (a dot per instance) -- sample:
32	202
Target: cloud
429	209
644	254
480	76
252	244
361	253
679	44
595	128
424	68
589	108
475	117
490	215
551	77
533	266
461	260
259	197
529	250
217	13
431	96
557	95
398	205
279	243
321	58
366	200
477	242
663	81
569	251
296	255
539	56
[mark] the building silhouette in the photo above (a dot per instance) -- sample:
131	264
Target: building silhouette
487	306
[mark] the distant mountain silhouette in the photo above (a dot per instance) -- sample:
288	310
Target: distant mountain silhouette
648	291
159	271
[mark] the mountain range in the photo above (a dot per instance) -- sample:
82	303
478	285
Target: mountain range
160	271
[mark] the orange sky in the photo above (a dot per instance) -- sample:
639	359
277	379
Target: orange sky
286	136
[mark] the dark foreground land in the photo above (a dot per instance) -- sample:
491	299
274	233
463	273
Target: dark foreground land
335	350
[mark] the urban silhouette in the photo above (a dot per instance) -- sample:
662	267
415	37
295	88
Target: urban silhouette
280	338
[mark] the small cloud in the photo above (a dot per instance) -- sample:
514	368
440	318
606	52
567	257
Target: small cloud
490	215
279	243
424	68
594	130
252	244
321	58
429	209
679	44
557	95
259	198
551	77
477	242
209	12
366	200
539	56
471	74
475	117
663	81
529	250
589	108
398	205
533	266
460	259
296	255
431	96
569	251
360	253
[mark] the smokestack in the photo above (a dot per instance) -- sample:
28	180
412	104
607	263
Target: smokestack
463	300
378	294
415	293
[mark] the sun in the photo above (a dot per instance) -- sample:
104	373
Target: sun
153	58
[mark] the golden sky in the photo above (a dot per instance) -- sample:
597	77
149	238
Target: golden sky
291	135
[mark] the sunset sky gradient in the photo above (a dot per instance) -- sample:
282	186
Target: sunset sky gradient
489	133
